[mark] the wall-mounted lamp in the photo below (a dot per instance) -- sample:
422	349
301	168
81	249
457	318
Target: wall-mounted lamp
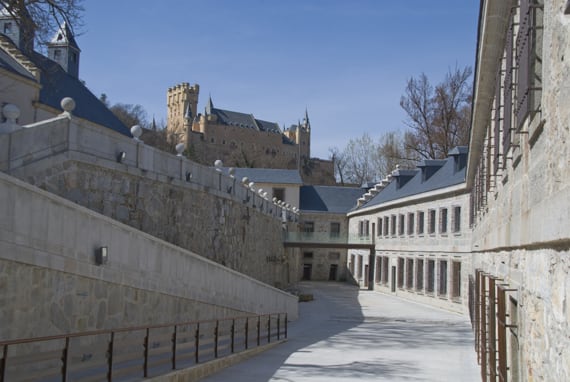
121	156
101	256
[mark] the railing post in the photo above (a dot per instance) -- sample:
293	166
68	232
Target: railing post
233	333
110	358
216	339
145	365
246	331
3	364
278	325
285	325
174	348
197	342
268	328
258	328
64	360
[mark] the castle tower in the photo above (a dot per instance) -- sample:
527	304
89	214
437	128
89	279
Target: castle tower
182	104
64	50
304	137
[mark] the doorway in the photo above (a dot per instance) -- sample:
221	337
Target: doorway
307	270
333	272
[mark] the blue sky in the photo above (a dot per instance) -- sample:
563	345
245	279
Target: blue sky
346	61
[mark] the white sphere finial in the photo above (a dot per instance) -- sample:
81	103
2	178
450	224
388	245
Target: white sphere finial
218	164
68	104
245	180
180	149
231	171
136	132
11	112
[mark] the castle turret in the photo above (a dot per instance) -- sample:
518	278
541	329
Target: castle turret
17	24
64	50
182	103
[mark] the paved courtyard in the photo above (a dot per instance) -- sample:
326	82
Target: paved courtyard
347	334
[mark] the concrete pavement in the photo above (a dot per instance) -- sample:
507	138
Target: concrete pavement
347	334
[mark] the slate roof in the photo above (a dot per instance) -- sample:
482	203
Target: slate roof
448	172
57	84
269	175
333	199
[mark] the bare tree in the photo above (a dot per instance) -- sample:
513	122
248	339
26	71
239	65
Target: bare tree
39	20
131	115
438	117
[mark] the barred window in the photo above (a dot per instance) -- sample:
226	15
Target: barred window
443	220
457	219
411	218
431	221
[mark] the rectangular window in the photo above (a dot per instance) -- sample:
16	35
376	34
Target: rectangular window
379	227
456	291
400	273
419	275
411	219
442	291
514	369
385	267
431	276
308	227
366	228
456	219
410	274
431	222
401	225
279	193
56	54
335	229
378	274
393	226
386	225
7	28
443	220
360	228
421	219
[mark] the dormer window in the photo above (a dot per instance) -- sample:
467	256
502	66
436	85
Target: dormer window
59	36
8	28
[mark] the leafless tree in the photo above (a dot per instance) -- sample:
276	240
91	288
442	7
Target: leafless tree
39	20
438	117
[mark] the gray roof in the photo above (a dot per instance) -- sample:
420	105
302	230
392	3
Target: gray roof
234	118
441	174
57	84
269	175
333	199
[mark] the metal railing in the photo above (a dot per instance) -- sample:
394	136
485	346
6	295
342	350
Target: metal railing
326	238
137	352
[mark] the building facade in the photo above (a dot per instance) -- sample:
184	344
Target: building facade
418	220
323	219
519	174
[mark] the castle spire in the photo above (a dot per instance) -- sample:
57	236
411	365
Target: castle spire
188	112
64	50
210	105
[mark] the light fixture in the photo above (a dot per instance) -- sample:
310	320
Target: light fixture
121	156
101	256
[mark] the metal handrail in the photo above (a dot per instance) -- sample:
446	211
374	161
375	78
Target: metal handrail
208	337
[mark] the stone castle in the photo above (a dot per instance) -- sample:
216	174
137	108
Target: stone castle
239	139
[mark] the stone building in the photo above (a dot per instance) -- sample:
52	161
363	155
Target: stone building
418	220
239	139
519	174
323	219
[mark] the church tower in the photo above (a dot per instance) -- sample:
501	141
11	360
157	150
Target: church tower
182	104
64	50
